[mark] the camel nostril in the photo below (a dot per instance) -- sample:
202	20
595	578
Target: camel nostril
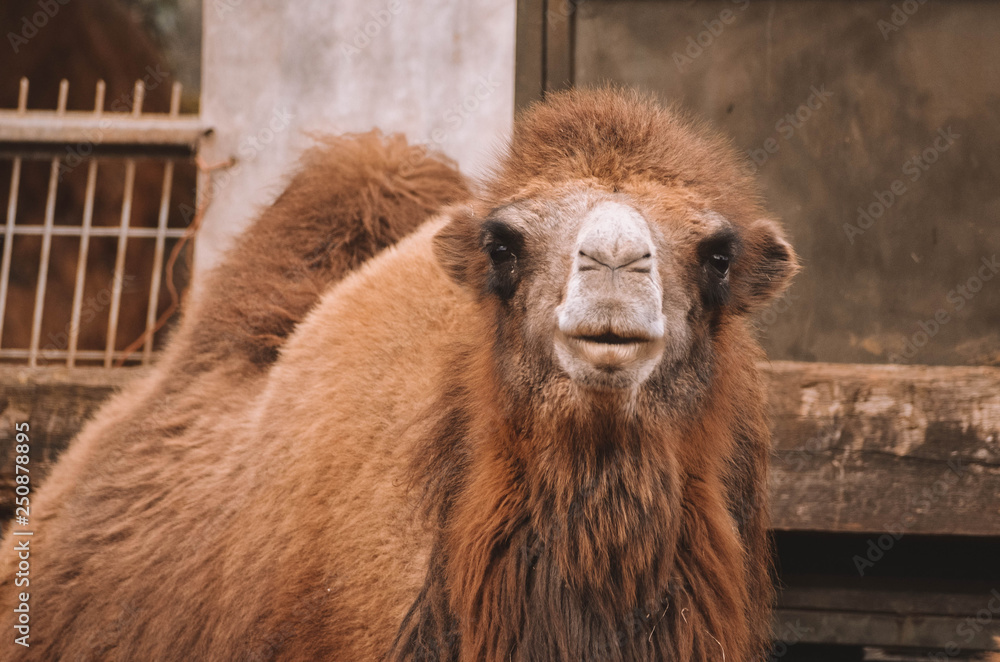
631	261
590	263
616	237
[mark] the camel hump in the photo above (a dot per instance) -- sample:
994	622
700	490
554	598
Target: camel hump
352	196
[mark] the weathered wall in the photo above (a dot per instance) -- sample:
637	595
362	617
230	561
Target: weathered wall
890	85
439	71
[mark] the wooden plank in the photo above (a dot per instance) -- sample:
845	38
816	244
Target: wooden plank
913	613
859	448
55	402
880	629
872	597
869	448
879	654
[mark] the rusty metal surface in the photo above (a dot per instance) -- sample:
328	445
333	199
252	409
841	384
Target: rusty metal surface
874	127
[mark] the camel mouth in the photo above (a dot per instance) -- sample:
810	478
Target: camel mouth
612	338
608	351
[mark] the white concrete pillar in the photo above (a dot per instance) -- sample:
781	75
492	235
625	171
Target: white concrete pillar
440	71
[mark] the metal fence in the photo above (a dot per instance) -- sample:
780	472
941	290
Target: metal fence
83	138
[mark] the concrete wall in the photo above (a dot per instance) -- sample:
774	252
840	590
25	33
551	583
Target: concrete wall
874	129
440	71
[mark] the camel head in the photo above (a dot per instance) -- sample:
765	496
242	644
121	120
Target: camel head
613	243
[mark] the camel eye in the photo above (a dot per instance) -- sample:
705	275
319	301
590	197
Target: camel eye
720	264
716	255
502	256
504	245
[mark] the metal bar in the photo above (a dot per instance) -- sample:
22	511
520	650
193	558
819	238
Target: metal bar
48	353
81	262
175	99
43	263
559	38
95	231
119	275
154	283
529	56
8	244
119	278
22	96
99	98
161	238
156	129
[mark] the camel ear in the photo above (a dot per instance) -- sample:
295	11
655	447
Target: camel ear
457	250
766	267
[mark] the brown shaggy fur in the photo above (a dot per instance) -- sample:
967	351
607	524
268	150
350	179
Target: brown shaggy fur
278	521
352	197
648	543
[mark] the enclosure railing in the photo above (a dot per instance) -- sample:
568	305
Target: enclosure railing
52	134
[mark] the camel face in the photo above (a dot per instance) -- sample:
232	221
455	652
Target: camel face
603	289
556	247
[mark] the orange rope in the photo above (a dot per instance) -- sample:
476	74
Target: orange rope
175	296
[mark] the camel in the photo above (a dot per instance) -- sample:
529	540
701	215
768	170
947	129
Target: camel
531	429
352	197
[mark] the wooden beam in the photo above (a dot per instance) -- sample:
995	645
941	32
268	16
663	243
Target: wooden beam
872	596
544	51
858	448
871	448
871	629
55	402
874	613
